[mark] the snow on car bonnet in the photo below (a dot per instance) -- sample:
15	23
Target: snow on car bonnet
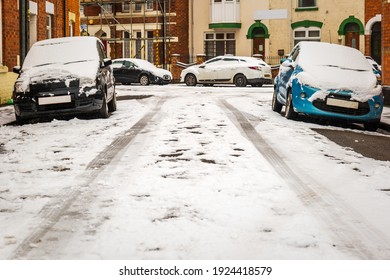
61	59
330	66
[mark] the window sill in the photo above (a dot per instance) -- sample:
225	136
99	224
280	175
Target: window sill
306	9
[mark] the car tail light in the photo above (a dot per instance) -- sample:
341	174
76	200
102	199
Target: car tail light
255	68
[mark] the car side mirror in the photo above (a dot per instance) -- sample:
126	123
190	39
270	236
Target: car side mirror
106	62
288	63
202	66
16	69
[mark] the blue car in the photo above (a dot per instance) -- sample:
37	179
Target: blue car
328	81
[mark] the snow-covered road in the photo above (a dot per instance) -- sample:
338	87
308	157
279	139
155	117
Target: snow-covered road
189	173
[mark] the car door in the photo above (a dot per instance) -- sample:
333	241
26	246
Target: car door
208	70
118	70
285	71
227	69
105	72
132	71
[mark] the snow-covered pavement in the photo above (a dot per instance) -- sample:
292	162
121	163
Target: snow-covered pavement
190	173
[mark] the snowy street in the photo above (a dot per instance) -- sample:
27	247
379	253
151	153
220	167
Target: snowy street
189	173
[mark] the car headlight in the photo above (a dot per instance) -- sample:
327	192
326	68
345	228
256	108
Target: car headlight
22	87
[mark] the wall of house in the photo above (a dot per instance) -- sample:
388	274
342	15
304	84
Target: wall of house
330	12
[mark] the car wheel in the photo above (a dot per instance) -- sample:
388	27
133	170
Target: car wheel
190	80
276	106
290	114
20	120
371	126
112	103
103	112
144	80
240	81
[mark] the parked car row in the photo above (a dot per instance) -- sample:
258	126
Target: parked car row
317	79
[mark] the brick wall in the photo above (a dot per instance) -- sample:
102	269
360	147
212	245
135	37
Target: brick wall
372	8
10	23
386	50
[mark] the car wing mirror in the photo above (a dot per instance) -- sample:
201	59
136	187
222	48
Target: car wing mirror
16	69
106	62
202	66
288	63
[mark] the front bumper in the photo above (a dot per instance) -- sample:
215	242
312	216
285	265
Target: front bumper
29	106
339	105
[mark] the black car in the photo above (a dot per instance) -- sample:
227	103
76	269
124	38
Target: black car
133	70
64	76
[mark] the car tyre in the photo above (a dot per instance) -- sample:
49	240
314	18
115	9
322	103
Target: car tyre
371	126
112	103
276	105
290	113
190	80
103	112
20	120
240	81
144	80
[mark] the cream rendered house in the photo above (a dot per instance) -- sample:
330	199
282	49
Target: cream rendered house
220	27
272	27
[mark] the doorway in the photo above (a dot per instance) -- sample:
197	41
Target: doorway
376	40
352	35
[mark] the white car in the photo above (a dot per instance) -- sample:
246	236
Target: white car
238	70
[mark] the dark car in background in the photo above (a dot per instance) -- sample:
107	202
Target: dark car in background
134	70
64	76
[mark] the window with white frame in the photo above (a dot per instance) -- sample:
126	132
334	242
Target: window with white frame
125	7
137	7
106	8
149	5
48	26
307	3
219	44
307	34
225	11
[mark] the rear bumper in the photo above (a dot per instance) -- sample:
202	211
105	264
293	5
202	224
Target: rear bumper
263	81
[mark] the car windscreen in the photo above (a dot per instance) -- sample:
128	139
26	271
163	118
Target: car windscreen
61	53
332	56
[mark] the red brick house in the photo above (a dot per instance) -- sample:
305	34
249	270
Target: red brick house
377	38
46	19
153	30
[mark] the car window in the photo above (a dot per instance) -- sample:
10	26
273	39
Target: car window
117	62
213	60
230	60
127	64
295	54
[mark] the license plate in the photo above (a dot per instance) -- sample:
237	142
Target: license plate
54	100
342	103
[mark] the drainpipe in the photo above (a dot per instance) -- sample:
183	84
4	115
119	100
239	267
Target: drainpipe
23	32
65	21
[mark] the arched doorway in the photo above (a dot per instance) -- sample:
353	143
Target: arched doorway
258	46
376	38
352	35
258	32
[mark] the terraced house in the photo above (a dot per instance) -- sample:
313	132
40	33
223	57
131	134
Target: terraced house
272	28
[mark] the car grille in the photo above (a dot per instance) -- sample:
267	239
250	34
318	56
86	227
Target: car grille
363	108
52	85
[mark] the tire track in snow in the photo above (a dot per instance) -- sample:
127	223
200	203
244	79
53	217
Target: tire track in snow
54	210
350	232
